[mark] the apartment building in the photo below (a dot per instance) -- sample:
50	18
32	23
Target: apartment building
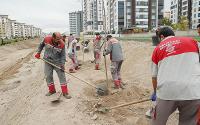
181	8
117	15
93	15
128	14
155	13
5	30
76	22
11	28
195	13
12	24
107	16
143	13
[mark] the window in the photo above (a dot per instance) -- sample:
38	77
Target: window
185	2
185	8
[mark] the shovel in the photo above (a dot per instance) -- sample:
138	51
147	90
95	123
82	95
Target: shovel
100	91
107	109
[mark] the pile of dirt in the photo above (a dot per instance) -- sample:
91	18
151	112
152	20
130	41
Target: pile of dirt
127	95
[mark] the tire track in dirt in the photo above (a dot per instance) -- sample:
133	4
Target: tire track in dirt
9	72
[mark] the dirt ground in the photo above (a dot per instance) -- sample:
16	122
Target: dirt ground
23	88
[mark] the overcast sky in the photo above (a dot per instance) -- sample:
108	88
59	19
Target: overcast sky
50	15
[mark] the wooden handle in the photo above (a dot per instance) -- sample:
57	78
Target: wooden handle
68	73
130	103
106	71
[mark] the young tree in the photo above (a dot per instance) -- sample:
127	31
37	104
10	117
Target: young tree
167	22
183	23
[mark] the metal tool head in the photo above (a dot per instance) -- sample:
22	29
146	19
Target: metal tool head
103	110
102	89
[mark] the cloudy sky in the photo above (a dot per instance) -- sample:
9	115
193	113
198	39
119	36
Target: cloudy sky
50	15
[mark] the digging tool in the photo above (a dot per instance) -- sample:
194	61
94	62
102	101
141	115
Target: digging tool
105	64
106	71
100	91
106	109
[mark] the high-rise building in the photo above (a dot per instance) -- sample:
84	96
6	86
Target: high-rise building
156	13
117	15
195	13
143	13
107	15
76	22
93	15
181	8
128	14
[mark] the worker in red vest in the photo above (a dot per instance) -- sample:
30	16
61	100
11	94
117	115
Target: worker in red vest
97	50
55	53
175	78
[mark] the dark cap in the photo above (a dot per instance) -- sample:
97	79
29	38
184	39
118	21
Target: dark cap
109	36
97	33
166	31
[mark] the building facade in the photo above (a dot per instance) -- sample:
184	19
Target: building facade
5	31
181	8
93	15
155	13
195	13
128	13
107	15
11	29
117	15
76	22
143	13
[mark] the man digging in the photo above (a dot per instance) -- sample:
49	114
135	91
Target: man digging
97	50
73	55
54	53
116	56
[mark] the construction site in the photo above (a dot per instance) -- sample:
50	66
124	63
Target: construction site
23	88
99	62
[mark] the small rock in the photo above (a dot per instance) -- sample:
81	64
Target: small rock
18	81
91	113
95	110
94	117
97	105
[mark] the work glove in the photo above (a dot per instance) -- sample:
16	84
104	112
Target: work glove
37	55
153	97
62	67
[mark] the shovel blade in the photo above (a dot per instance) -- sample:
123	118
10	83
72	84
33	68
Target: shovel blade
103	110
102	90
